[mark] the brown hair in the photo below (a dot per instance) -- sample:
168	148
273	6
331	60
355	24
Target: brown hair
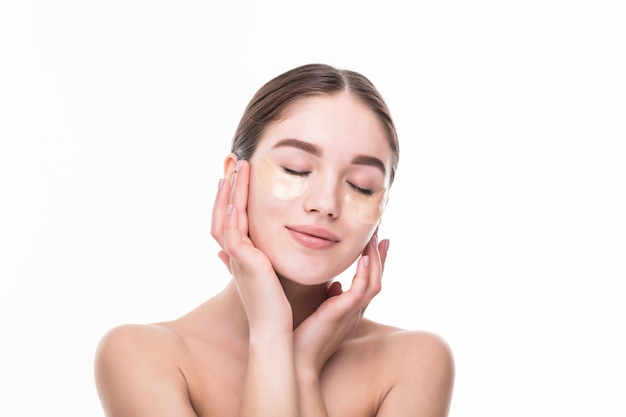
270	102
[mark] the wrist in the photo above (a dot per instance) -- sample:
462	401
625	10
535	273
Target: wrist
270	326
307	373
270	338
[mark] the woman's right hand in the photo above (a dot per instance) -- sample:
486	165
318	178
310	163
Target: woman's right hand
270	366
263	298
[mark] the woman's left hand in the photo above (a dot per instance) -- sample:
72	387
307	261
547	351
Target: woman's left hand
319	336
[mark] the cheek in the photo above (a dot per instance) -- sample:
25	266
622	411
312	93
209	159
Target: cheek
274	181
264	211
366	209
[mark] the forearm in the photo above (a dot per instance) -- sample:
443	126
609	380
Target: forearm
270	388
275	386
311	402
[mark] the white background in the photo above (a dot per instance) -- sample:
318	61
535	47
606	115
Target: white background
506	222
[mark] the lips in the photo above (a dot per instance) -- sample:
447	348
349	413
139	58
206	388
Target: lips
313	237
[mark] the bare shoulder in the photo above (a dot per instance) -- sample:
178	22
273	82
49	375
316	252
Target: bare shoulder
129	335
136	344
418	368
425	350
395	341
137	372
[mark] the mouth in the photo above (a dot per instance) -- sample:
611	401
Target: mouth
313	237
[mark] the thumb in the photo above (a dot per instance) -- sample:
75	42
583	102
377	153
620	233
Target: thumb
335	289
225	258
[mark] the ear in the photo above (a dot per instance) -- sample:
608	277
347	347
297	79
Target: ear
230	166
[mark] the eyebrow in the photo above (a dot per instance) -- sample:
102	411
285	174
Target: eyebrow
316	151
370	161
299	144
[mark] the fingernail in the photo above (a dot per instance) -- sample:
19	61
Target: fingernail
387	242
220	184
232	179
375	240
239	164
229	209
366	260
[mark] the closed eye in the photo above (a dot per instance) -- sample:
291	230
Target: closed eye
296	173
360	190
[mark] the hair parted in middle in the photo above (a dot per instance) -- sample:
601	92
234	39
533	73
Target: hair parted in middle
272	100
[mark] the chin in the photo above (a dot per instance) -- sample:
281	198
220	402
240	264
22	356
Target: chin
302	266
302	276
308	271
304	282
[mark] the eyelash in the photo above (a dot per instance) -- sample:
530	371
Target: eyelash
358	189
361	190
296	173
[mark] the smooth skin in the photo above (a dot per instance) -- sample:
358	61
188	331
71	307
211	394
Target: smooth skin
282	339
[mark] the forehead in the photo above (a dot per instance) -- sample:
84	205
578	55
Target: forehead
340	124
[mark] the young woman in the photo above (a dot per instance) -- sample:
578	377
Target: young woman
303	193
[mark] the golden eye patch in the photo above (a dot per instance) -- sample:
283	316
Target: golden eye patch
367	209
284	186
275	181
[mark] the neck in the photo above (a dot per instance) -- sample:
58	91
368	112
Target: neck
304	300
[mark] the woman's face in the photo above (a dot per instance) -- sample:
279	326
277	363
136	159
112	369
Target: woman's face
318	185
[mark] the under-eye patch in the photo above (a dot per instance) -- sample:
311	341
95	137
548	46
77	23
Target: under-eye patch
367	209
275	181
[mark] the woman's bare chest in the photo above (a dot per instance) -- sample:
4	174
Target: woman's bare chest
216	377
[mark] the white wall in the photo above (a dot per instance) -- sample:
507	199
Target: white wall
507	220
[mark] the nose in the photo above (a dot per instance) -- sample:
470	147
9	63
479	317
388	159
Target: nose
322	198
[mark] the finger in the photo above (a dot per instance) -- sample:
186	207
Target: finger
383	249
233	241
238	247
225	259
239	194
359	283
218	215
232	238
335	289
375	268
